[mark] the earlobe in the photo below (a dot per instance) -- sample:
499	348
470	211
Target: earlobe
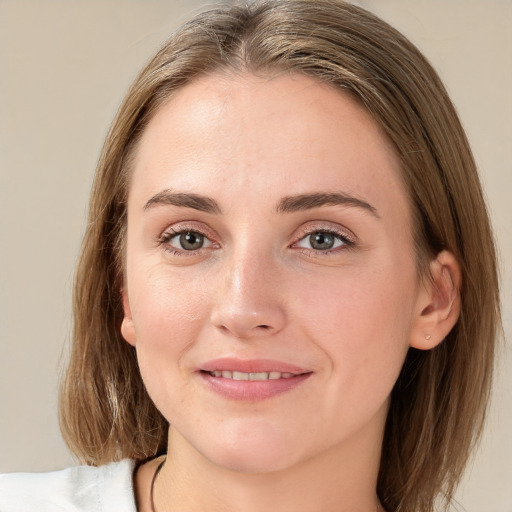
127	328
438	303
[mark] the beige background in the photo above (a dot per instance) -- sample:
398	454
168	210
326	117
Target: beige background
64	67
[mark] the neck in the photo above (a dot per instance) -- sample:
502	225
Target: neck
342	479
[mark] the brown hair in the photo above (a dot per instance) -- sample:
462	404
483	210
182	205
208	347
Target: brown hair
439	401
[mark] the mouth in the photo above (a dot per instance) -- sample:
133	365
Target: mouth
251	380
252	376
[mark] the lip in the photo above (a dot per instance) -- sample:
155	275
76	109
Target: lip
251	390
251	366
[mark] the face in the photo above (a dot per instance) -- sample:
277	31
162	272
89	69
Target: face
269	239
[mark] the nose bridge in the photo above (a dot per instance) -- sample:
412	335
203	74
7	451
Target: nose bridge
246	272
248	300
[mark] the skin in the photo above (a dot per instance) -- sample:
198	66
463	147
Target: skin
258	289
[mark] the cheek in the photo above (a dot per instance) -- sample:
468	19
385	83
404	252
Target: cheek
168	315
362	321
166	306
364	334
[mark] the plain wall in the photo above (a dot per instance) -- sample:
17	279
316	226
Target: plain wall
64	67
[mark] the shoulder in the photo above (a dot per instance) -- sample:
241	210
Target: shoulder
76	489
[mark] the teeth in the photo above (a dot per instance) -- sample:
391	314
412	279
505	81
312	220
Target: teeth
226	374
258	376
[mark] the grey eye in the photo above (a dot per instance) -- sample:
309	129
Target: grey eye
321	241
188	241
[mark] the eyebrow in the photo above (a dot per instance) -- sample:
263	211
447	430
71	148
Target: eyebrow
308	201
288	204
185	200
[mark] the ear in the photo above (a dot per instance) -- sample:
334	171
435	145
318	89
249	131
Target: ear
127	328
439	303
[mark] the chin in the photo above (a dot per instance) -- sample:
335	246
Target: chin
258	451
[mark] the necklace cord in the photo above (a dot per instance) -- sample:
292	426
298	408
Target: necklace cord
151	491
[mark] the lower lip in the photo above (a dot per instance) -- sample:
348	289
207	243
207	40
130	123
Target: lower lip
251	390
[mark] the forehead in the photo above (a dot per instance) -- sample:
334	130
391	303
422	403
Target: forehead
227	132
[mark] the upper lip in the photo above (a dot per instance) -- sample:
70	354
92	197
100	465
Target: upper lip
251	366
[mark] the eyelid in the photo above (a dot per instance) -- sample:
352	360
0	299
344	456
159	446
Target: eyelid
346	237
339	242
303	231
327	227
206	241
196	226
180	227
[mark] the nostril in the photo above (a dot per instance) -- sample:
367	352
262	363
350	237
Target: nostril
247	322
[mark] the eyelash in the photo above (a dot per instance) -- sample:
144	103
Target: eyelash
166	237
347	242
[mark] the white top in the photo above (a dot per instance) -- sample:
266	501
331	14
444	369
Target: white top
80	489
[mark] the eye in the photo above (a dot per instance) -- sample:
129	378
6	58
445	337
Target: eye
323	241
188	240
185	240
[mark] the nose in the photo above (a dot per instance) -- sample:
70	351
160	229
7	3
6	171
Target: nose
249	302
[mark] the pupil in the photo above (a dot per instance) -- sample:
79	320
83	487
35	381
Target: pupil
191	240
321	241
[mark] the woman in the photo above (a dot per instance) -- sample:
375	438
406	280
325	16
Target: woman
282	299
